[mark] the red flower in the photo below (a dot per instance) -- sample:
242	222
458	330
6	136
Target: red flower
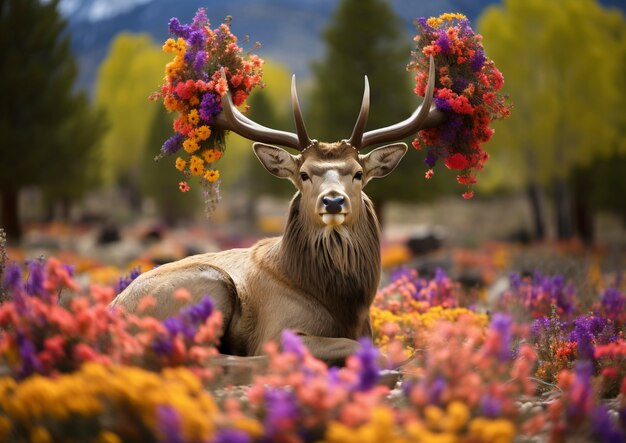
456	161
183	186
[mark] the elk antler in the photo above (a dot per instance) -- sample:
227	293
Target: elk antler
232	120
424	117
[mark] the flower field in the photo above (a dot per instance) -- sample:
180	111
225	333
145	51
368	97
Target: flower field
534	366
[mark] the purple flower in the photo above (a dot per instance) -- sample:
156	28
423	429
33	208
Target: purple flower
292	343
123	282
210	106
443	104
368	356
200	19
168	425
515	279
478	60
13	277
177	29
173	144
440	277
613	303
196	39
577	407
501	323
431	158
30	364
34	285
443	42
189	57
491	407
199	312
603	428
199	62
436	389
280	406
231	436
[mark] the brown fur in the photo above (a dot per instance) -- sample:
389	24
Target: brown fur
316	280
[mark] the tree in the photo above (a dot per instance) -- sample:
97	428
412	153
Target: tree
39	111
132	71
365	37
560	59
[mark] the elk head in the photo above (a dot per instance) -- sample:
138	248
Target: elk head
331	176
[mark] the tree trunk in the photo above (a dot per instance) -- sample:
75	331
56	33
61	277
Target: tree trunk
583	211
536	208
563	208
10	215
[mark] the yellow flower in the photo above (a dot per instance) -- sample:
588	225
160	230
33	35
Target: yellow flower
180	46
492	431
212	175
40	434
197	169
457	415
108	437
211	155
250	426
191	145
193	117
195	160
171	70
203	132
180	164
169	46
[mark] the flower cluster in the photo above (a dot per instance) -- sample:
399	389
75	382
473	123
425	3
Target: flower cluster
466	91
409	306
465	382
537	294
577	412
40	336
107	404
194	87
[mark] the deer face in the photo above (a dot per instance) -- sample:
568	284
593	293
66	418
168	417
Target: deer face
330	176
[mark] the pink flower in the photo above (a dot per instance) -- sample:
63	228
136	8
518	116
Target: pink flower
183	186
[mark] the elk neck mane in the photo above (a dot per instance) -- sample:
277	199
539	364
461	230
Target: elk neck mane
337	264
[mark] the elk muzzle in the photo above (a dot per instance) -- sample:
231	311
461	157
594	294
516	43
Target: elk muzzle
334	208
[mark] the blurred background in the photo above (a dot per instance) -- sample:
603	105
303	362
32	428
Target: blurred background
78	135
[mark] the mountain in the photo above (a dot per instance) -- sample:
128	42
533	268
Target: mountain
290	30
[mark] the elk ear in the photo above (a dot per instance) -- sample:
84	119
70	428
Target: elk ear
381	161
276	160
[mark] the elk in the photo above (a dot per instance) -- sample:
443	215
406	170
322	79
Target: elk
319	279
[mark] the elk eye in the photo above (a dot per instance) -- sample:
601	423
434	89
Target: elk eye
358	175
304	176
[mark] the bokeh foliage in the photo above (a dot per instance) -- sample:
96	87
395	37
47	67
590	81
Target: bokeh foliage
563	61
50	133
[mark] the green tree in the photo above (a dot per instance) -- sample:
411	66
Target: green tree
81	168
365	37
42	120
132	71
561	60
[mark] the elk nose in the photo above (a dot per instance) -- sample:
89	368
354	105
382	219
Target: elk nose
333	204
